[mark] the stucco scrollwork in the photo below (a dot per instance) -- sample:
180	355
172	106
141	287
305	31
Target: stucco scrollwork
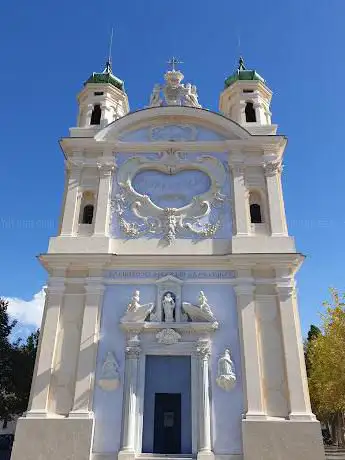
168	336
139	215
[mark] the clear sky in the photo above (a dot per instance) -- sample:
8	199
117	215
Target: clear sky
48	49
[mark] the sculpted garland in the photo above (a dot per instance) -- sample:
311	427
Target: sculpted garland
148	218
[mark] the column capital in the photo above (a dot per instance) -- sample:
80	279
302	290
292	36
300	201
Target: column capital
132	351
286	290
237	168
203	349
94	288
273	168
244	289
106	168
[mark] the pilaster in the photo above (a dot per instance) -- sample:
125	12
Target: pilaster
82	406
70	211
275	198
252	377
240	199
38	405
300	408
103	198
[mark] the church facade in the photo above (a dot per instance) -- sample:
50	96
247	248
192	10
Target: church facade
171	325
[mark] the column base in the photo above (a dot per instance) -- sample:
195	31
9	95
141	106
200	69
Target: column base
126	455
53	439
205	455
282	439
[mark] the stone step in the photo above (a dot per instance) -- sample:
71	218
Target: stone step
164	457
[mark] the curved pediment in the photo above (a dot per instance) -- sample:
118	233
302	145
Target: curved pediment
172	124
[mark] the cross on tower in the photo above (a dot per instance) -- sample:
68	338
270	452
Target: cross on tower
173	62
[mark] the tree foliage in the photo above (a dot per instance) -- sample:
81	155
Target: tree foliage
325	359
17	362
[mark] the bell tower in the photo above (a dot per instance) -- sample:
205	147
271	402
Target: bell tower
102	100
246	99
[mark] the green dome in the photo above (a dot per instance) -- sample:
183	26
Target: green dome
241	73
106	77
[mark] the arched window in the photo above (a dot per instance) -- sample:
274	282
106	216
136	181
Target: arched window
88	214
250	113
255	213
96	115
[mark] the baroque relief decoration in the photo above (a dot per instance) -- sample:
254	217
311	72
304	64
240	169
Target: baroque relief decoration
226	377
110	376
168	336
197	210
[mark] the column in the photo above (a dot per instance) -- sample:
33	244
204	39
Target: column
43	367
252	376
70	211
300	408
275	198
129	417
205	444
240	200
82	406
102	209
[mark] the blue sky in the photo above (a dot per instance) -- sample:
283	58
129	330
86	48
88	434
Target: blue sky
49	48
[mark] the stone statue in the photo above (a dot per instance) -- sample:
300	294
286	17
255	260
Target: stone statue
155	100
168	305
134	305
204	306
110	376
226	377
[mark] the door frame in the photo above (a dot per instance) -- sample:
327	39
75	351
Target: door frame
178	349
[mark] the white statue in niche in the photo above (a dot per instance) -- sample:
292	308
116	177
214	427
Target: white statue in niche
110	375
226	377
168	306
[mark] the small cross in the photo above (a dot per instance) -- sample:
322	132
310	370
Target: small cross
173	62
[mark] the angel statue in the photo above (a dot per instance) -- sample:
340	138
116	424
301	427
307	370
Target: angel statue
226	377
135	302
203	303
168	305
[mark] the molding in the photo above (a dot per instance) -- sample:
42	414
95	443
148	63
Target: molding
290	261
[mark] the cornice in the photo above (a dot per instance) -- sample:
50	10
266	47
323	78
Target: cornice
290	261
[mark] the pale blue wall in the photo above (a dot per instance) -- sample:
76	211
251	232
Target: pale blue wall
226	406
168	374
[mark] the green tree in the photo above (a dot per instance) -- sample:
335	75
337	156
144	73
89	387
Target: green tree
326	360
313	333
17	360
7	396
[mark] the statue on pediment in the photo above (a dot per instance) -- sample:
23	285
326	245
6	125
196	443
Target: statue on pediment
137	313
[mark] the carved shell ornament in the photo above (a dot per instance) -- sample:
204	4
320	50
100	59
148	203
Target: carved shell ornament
110	375
148	217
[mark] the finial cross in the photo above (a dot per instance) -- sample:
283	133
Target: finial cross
173	62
